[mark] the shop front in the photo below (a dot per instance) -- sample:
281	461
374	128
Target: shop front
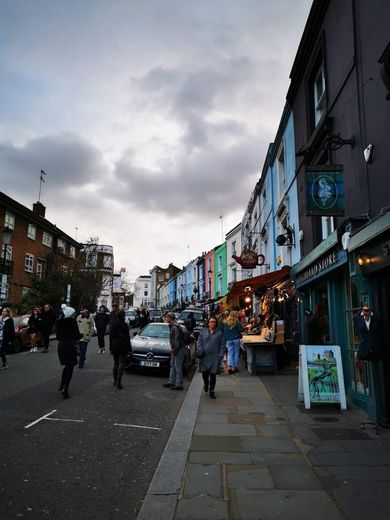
321	281
369	263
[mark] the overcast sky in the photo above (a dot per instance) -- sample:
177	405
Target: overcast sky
151	118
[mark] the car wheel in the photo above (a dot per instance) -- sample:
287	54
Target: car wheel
17	345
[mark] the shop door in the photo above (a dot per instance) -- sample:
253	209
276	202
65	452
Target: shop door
383	306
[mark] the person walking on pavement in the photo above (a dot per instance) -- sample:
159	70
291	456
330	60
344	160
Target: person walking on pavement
68	335
120	346
7	333
176	340
101	322
190	323
369	330
210	349
35	328
85	325
48	320
232	330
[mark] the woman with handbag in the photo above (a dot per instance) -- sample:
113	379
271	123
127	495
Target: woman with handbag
68	336
120	346
210	349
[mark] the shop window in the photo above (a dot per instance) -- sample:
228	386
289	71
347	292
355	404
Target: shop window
321	315
359	373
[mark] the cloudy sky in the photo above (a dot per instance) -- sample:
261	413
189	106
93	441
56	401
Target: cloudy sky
151	118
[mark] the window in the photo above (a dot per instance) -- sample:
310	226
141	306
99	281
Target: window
209	266
8	255
61	245
72	252
219	261
145	293
32	231
234	274
160	277
234	252
281	173
319	94
327	226
167	276
47	239
39	269
107	261
146	285
25	291
29	263
9	220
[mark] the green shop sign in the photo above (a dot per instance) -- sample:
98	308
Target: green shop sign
325	190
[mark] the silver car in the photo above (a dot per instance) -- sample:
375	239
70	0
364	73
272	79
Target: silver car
151	349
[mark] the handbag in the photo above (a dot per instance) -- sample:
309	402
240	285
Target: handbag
201	353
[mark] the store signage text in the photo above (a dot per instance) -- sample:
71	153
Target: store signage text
321	265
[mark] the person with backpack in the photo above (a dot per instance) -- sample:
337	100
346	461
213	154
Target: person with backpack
178	351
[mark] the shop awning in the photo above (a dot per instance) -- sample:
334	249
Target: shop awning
257	283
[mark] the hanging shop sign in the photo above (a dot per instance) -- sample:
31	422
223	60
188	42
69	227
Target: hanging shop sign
320	378
325	190
249	259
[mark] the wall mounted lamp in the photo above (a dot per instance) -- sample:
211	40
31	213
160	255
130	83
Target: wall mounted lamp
363	259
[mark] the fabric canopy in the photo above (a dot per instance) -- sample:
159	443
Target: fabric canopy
258	282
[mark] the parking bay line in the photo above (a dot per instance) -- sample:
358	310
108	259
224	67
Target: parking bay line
137	426
47	418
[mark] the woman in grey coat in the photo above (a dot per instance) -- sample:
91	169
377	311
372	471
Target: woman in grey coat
210	349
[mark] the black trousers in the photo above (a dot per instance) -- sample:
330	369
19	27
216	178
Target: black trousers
209	379
67	374
3	356
45	339
119	365
100	337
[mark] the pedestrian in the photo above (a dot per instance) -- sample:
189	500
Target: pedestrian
143	317
35	328
48	320
68	336
7	333
101	322
120	346
176	340
210	349
369	330
232	330
114	310
190	323
86	326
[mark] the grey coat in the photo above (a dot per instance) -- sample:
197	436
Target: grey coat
213	346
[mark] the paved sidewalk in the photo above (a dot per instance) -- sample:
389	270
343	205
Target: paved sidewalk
255	453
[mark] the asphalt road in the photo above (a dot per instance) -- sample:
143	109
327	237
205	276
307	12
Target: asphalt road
95	454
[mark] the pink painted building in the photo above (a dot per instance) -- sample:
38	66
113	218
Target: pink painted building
209	274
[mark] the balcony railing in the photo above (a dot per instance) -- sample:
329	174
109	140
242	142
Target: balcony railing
6	267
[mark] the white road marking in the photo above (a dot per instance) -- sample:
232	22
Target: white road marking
66	420
137	426
40	419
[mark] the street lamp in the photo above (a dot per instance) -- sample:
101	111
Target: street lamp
7	235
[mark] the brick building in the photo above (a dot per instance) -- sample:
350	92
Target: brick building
36	245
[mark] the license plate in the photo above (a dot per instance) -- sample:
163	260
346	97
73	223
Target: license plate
150	363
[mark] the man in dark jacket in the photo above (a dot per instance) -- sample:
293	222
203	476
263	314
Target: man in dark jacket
48	320
178	352
190	323
101	321
368	327
120	345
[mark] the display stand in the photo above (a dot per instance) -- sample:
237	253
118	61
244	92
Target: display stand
320	377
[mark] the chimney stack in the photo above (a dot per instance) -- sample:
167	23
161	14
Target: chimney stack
39	209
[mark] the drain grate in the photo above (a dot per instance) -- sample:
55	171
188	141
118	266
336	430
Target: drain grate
340	434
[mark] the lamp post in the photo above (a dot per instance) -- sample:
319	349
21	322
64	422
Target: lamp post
7	235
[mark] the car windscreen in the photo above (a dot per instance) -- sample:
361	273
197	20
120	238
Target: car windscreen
155	313
197	315
131	314
155	331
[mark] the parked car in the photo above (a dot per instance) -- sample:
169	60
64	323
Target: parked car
22	337
132	318
156	315
199	316
151	349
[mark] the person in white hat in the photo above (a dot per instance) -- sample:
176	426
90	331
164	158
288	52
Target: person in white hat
68	336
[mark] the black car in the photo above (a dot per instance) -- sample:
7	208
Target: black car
199	316
151	349
132	318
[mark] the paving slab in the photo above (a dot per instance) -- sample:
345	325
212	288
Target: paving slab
268	445
217	444
203	479
201	508
373	473
249	477
363	500
231	430
288	476
349	459
274	430
287	505
212	407
222	457
278	458
212	418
